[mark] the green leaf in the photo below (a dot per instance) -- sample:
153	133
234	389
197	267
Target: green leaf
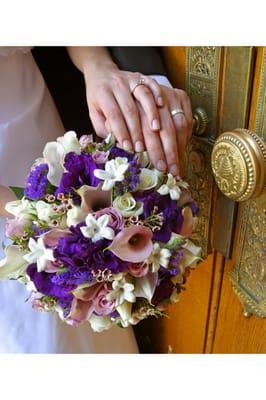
19	192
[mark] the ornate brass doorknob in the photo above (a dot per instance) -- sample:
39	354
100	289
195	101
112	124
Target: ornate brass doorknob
200	121
239	164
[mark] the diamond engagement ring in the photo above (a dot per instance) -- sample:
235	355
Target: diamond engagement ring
140	82
176	111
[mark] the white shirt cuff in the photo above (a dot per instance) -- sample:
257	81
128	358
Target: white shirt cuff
161	80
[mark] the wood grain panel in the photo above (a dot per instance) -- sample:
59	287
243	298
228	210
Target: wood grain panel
184	330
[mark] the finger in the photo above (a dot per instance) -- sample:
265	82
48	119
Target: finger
114	116
145	97
99	122
169	141
155	89
180	124
186	106
152	142
131	116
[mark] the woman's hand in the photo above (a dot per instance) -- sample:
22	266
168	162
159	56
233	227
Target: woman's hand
166	148
113	109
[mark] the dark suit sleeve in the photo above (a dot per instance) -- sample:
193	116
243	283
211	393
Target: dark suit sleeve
147	60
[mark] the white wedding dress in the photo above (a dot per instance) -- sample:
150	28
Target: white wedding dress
28	119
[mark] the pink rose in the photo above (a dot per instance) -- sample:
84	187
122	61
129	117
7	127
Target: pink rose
17	226
103	305
138	269
116	221
85	140
100	157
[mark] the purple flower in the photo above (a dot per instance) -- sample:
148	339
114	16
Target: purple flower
172	214
80	171
163	291
117	152
36	182
131	180
44	284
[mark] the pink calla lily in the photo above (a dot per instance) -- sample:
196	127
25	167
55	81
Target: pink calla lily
52	237
133	244
188	223
93	198
82	304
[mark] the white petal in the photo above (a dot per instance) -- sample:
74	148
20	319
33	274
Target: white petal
99	324
70	142
146	285
54	156
107	233
125	310
103	220
14	264
108	184
100	174
163	190
175	193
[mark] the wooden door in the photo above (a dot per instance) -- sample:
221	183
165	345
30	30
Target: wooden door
224	305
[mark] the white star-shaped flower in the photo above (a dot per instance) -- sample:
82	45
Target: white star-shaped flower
170	187
97	229
114	172
159	257
39	253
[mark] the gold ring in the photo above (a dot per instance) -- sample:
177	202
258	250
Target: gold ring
176	111
140	82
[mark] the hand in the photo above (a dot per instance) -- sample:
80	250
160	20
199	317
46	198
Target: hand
113	109
166	148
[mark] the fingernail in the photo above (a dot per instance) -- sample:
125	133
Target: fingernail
127	145
155	124
174	169
161	165
160	101
139	146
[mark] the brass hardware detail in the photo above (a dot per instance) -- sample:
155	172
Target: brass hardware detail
200	121
239	164
202	83
200	178
249	274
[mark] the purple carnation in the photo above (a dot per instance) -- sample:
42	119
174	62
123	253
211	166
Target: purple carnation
36	182
43	282
80	171
131	180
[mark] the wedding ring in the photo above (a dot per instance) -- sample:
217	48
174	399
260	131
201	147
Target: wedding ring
176	111
140	82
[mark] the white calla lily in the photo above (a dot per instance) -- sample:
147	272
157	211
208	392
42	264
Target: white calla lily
14	264
114	172
125	311
97	229
54	153
39	253
145	286
192	254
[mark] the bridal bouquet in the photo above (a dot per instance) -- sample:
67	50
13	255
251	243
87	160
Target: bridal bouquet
99	235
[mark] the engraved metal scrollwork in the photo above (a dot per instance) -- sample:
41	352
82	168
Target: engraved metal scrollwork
249	274
202	85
